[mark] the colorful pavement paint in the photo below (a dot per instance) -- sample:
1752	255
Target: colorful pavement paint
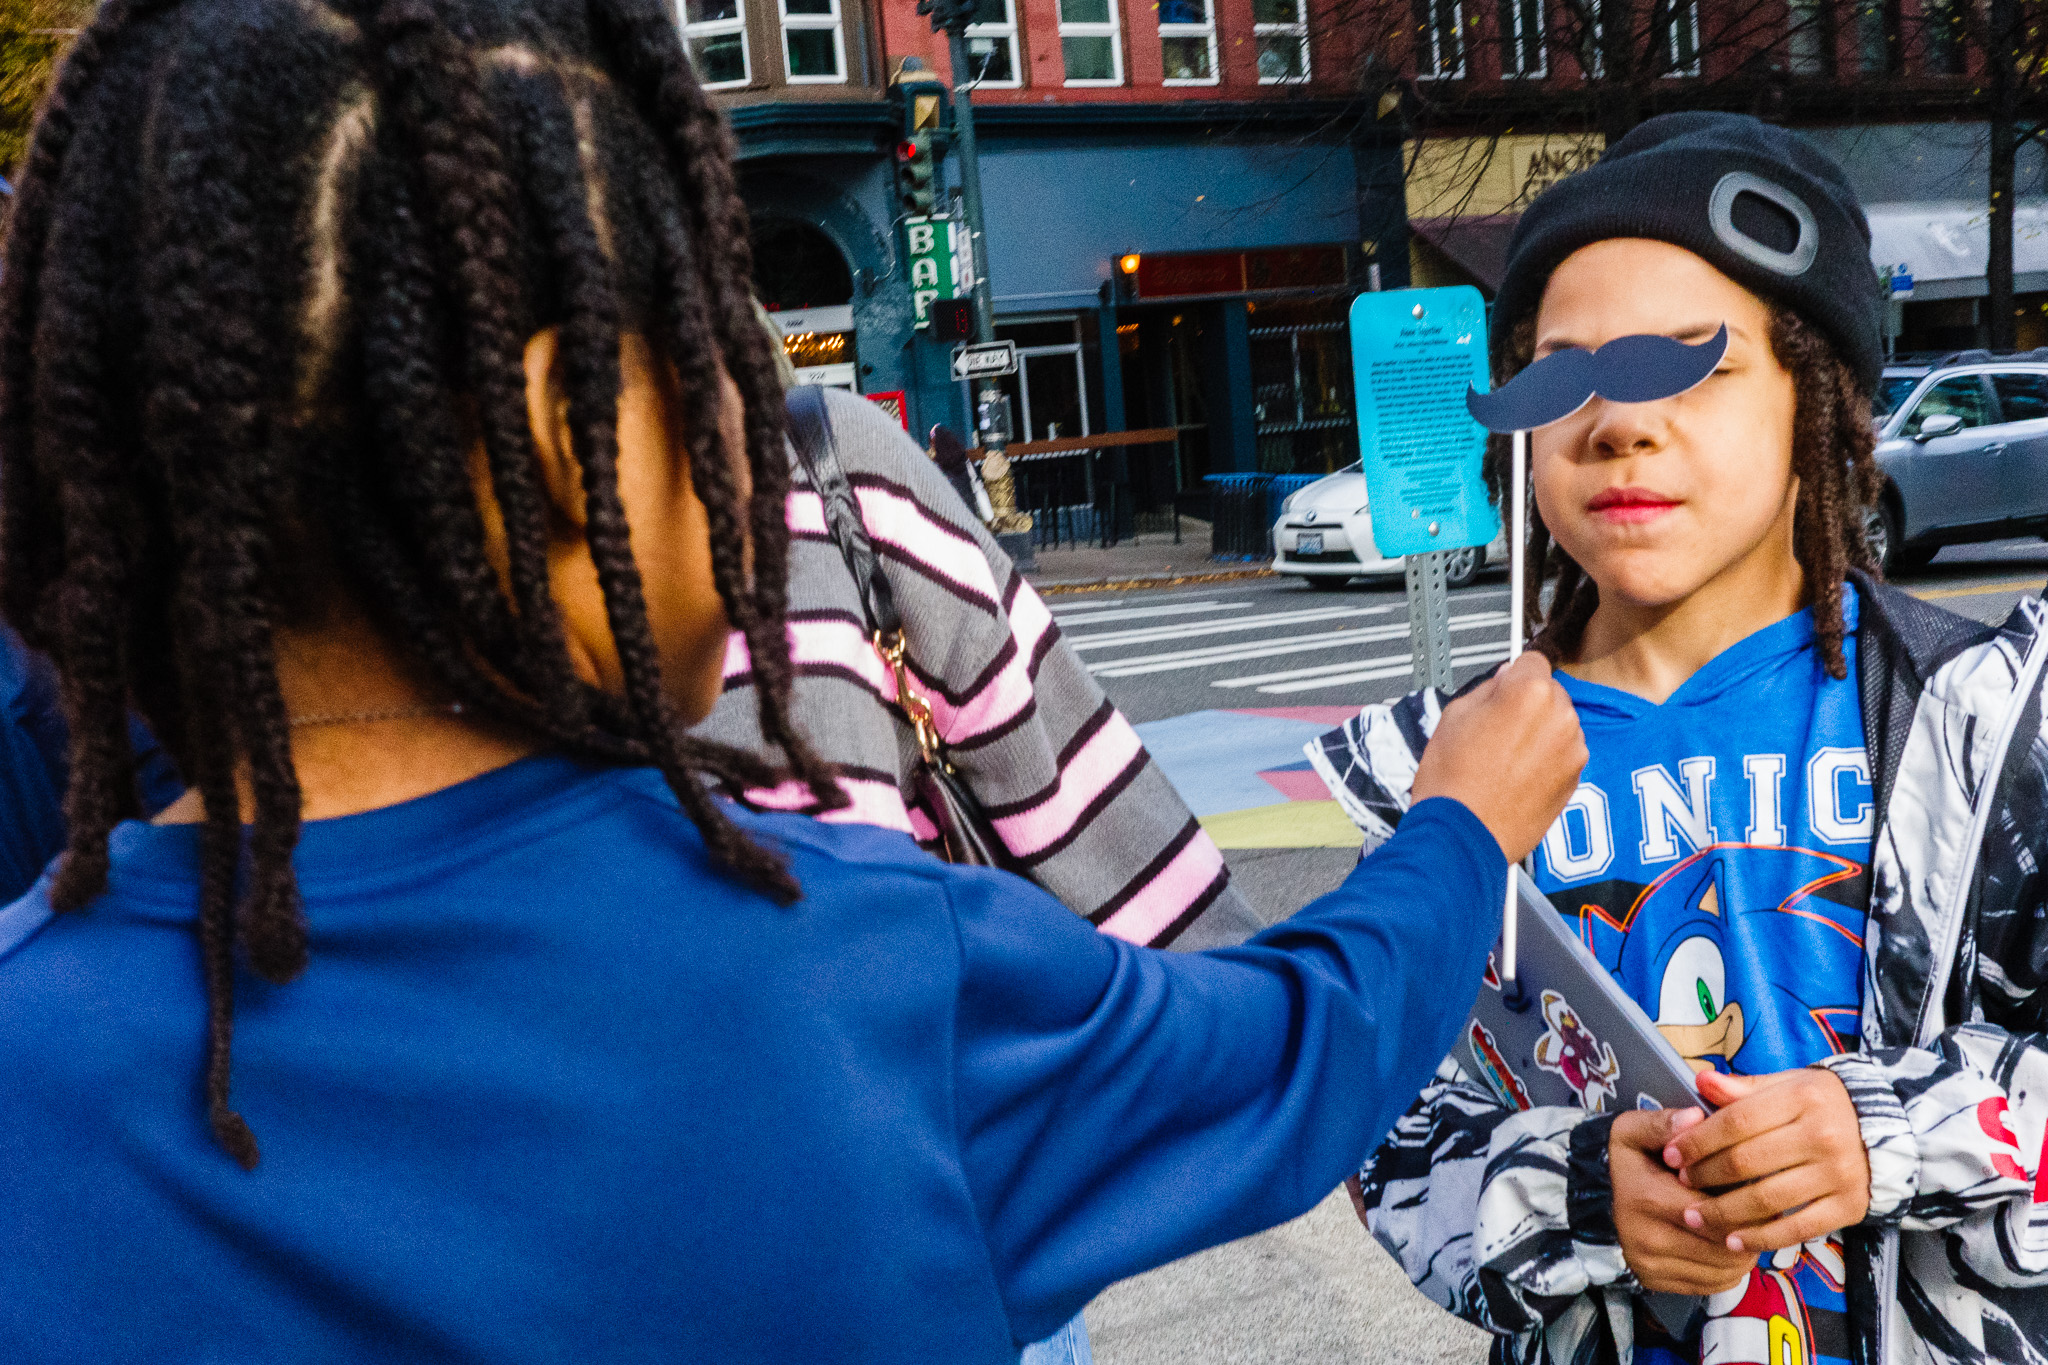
1243	775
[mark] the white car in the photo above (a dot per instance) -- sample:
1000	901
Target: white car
1324	536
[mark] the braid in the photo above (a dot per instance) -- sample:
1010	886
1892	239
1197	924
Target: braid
1833	457
219	848
436	92
396	194
81	615
590	352
26	501
699	147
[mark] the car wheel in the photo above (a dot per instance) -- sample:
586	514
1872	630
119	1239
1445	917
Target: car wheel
1326	583
1881	531
1464	566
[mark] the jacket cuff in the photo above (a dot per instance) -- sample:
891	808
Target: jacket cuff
1888	1138
1589	1184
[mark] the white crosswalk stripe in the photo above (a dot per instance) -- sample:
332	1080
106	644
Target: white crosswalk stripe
1375	670
1114	639
1300	648
1098	614
1351	637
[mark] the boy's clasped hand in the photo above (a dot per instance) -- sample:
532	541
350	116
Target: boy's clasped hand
1698	1198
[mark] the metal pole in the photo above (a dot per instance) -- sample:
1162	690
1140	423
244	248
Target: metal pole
1429	620
970	181
970	204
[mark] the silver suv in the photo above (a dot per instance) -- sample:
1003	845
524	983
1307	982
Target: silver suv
1963	443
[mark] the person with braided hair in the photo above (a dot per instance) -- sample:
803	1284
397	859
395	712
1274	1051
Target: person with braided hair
1809	842
383	416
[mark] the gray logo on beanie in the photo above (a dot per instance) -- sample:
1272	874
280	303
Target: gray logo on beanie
1721	217
1761	204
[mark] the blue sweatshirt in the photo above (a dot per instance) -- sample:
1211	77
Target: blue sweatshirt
35	761
553	1088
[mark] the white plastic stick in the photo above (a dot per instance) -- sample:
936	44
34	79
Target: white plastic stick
1518	535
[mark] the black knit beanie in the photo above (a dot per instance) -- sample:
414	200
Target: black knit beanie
1766	207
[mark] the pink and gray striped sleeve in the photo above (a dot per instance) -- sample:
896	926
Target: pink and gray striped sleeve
1073	795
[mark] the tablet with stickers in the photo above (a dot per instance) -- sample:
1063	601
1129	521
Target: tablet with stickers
1576	1037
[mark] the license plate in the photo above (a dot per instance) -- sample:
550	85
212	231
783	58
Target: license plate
1309	543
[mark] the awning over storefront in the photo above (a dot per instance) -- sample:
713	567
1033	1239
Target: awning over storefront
1946	245
1476	243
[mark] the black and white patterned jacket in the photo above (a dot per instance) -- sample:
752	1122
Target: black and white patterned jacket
1505	1218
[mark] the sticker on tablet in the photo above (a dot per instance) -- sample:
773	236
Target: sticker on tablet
1569	1049
1495	1071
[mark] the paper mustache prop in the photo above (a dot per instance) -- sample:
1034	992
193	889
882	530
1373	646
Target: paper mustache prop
1632	369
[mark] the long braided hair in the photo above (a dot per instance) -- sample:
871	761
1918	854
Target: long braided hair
1833	456
269	278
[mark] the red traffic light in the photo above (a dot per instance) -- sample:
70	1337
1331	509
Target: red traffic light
907	151
953	319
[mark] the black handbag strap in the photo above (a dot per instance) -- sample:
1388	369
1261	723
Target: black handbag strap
810	437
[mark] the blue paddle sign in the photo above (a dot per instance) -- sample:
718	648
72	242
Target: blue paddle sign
1414	355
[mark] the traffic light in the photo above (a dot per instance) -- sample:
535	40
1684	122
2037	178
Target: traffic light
953	319
916	175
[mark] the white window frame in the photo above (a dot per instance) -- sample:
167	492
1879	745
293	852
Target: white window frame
1111	29
1683	12
1205	31
1518	41
718	28
1435	69
1006	33
1298	31
800	23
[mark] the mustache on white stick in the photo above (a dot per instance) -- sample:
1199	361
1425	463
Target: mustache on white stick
1517	573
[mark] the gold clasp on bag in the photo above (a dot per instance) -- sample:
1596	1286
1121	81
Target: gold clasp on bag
890	645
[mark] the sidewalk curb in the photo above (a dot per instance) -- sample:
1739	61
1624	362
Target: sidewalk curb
1137	581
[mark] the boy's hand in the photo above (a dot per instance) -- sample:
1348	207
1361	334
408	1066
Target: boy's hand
1510	750
1649	1210
1791	1143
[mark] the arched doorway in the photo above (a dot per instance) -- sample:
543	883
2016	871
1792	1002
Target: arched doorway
796	266
803	281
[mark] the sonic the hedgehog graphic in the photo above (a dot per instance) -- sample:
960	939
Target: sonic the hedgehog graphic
1706	961
1765	978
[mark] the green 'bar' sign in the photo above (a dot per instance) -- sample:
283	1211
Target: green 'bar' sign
938	267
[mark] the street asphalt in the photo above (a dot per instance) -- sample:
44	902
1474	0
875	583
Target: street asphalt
1225	680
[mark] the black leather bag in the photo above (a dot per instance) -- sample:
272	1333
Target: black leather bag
965	832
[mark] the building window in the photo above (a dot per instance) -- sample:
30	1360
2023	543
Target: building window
1301	386
1280	27
1944	20
715	32
1806	39
1187	41
1874	46
1682	46
813	45
1805	54
1089	44
1522	49
992	44
1440	39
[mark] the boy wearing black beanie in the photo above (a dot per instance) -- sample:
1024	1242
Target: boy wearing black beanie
1809	843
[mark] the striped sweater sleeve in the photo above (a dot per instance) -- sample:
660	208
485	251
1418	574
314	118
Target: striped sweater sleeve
1074	797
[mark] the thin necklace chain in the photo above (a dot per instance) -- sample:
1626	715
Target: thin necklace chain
453	708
